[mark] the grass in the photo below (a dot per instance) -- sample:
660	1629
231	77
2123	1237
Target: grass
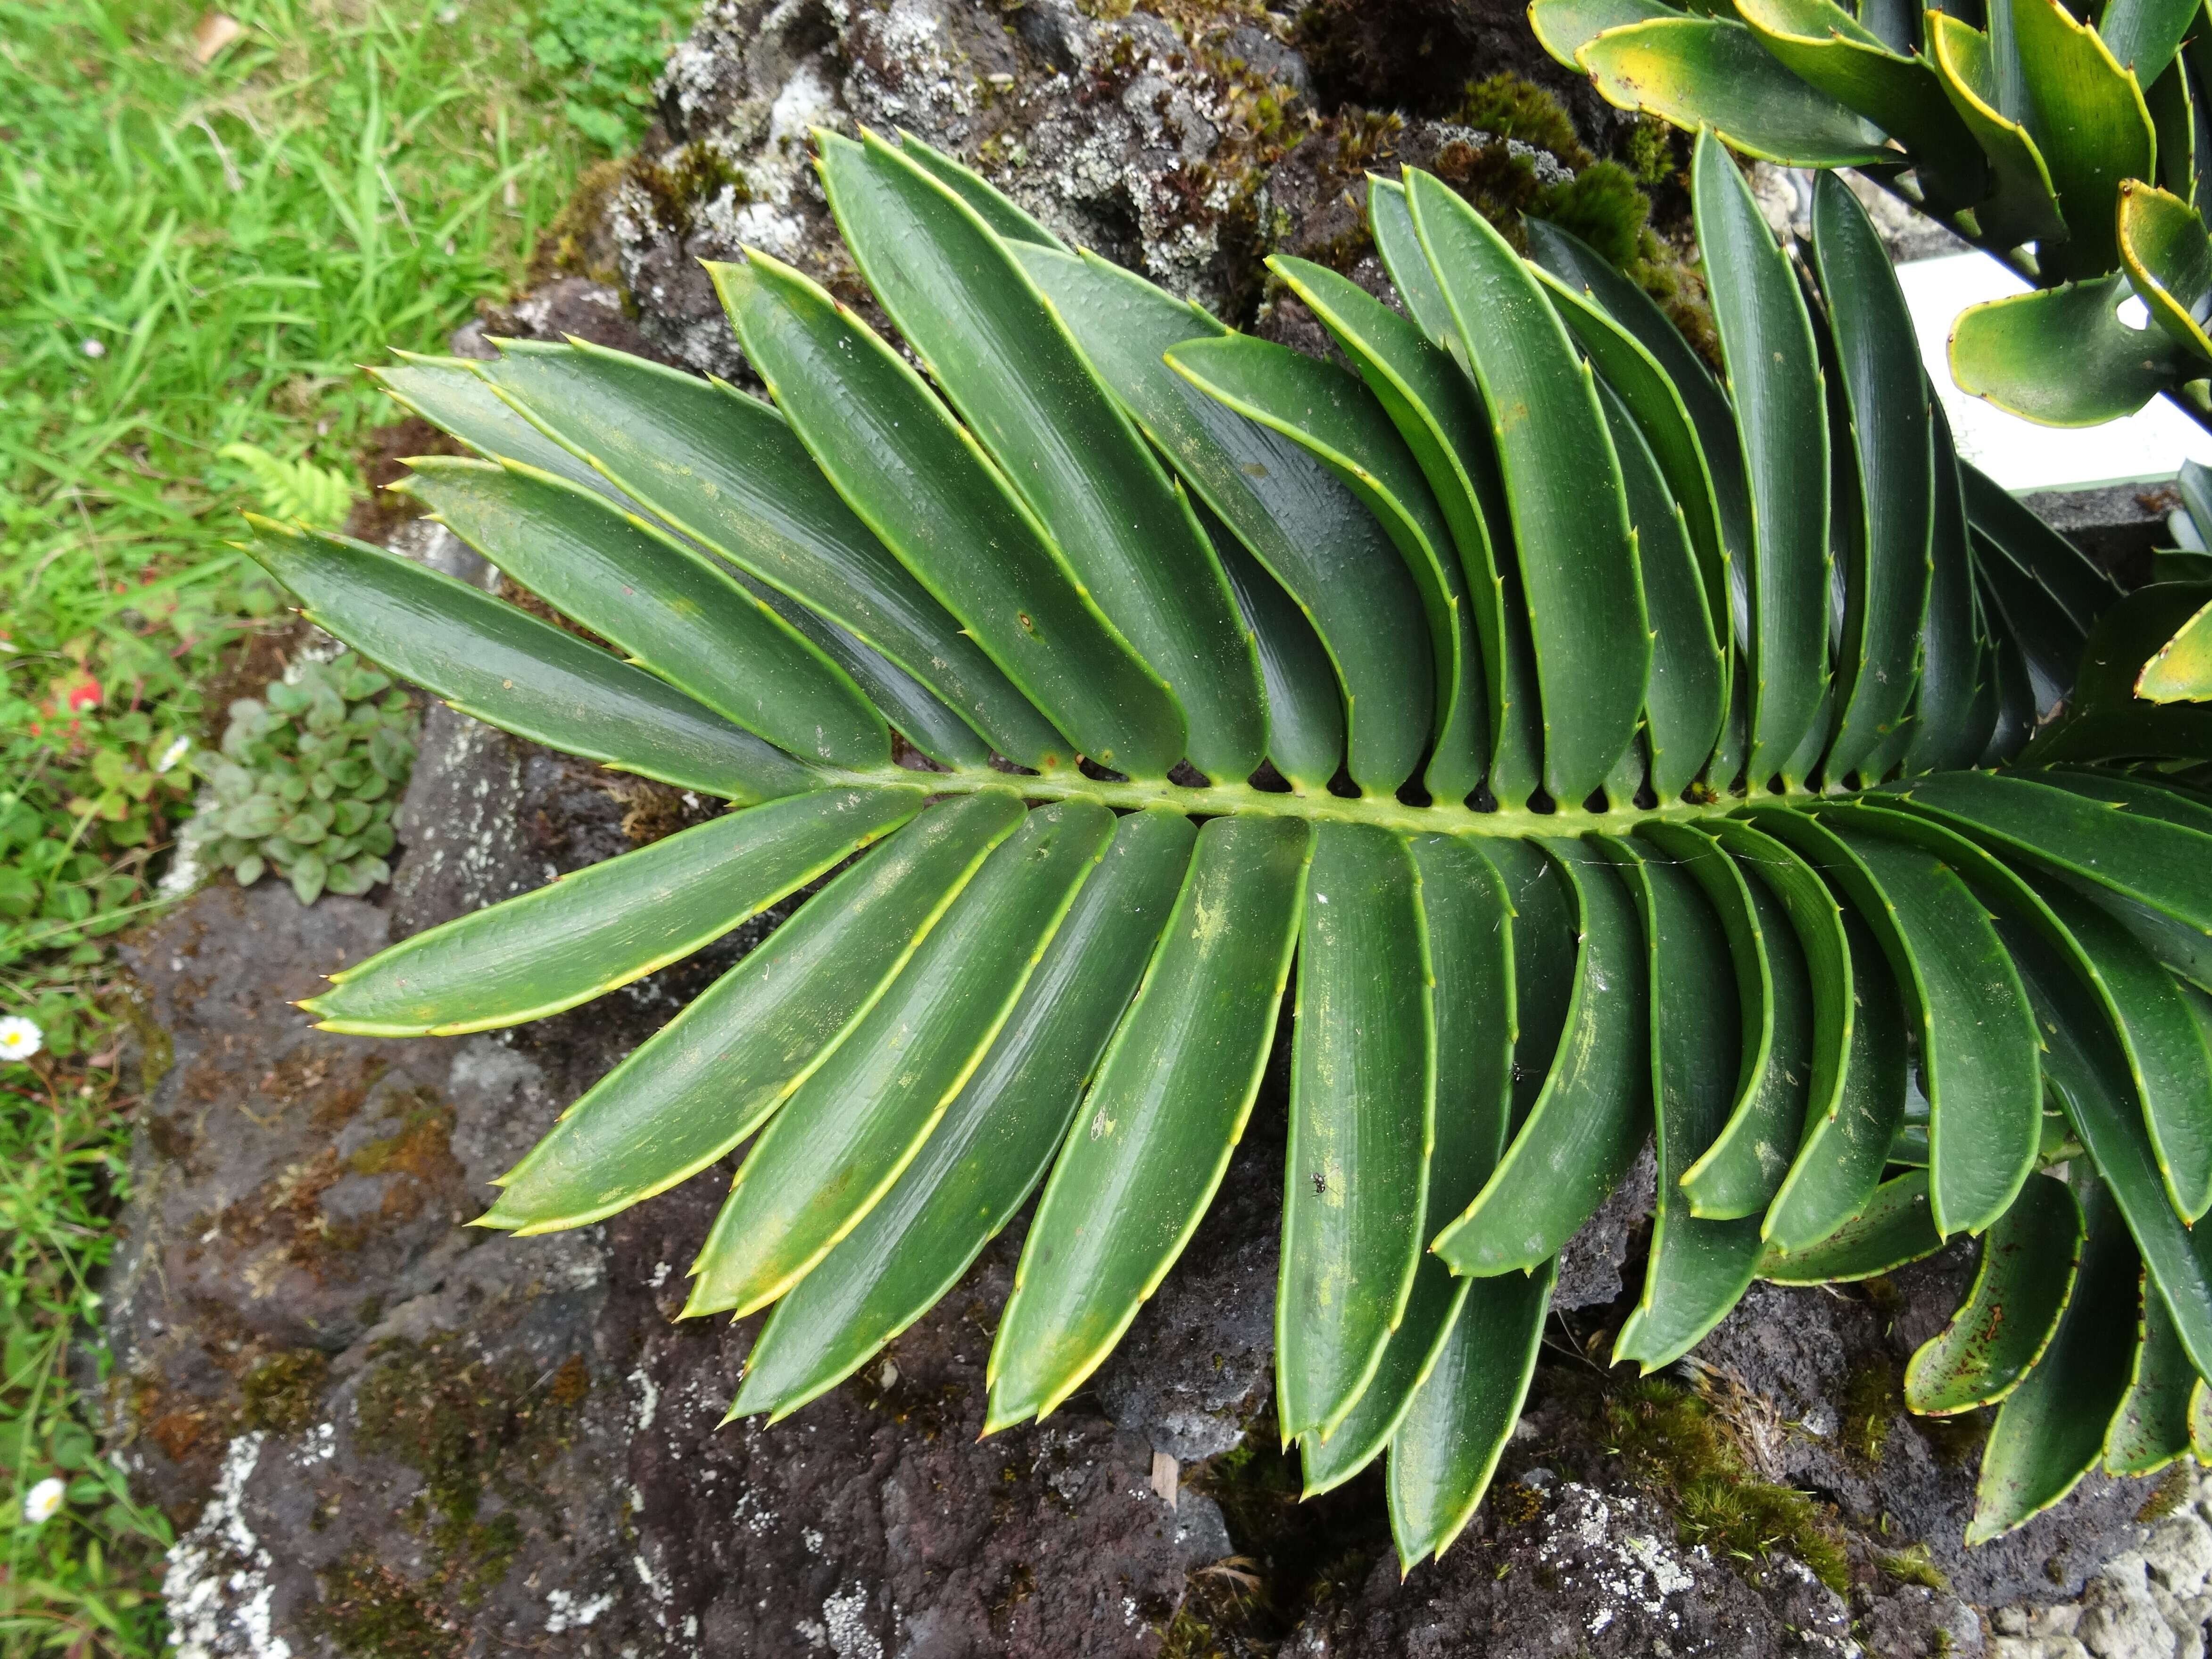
198	254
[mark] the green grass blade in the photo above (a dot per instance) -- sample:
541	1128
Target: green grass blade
1308	531
996	1140
918	480
728	472
1155	1132
607	924
1007	366
710	1077
503	665
2025	1274
669	609
1587	621
847	1133
1363	1116
1585	1128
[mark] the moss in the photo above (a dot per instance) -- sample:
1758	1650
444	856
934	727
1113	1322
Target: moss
2172	1491
574	242
423	1145
283	1391
683	181
1678	1446
1511	106
468	1431
371	1613
1604	206
1913	1565
1873	1398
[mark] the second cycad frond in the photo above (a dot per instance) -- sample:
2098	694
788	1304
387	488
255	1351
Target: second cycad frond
2073	150
1521	687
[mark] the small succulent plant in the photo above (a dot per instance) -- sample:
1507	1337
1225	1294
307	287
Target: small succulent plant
304	783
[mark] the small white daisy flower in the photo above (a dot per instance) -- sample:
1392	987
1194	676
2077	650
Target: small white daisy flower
19	1038
44	1501
94	348
175	752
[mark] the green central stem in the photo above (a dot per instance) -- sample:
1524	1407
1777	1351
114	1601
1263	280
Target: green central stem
1239	800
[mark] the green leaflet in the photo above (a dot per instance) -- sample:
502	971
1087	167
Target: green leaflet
914	711
1003	360
1706	71
2088	1073
2169	260
608	924
1155	1132
1587	622
2022	207
995	1141
1005	217
1547	940
922	485
2151	1428
1470	933
1308	531
1895	1227
2075	582
1436	412
1766	340
2143	35
2106	717
1448	1446
1585	1127
1332	418
503	665
1564	27
2085	114
452	393
1687	698
1738	1173
1825	46
713	1075
1885	392
2156	864
1698	1269
728	472
1628	369
2181	670
1977	1045
2062	357
1362	1121
2031	623
2028	1262
1840	1161
1305	710
1391	218
2050	1432
668	608
844	1134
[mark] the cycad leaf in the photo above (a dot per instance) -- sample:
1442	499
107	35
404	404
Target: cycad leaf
2169	260
503	665
2028	622
669	608
1305	708
920	481
1586	620
1943	731
451	394
1470	937
2027	1272
606	925
1154	1134
2151	1428
728	472
2143	35
1698	1269
1435	410
995	1141
1362	1092
2022	206
1584	1129
2071	578
2050	1432
1564	27
844	1134
1005	217
1886	392
1739	1171
1332	418
1304	527
1895	1227
2181	670
1002	360
711	1076
2087	116
1391	217
1766	339
1447	1447
2062	357
1706	71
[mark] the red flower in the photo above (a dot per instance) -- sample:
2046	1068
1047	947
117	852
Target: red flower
80	693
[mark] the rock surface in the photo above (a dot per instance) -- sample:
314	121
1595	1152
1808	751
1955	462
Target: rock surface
388	1435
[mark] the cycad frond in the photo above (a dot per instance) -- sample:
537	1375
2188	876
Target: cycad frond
1595	740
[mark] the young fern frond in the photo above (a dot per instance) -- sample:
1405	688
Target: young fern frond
1592	742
